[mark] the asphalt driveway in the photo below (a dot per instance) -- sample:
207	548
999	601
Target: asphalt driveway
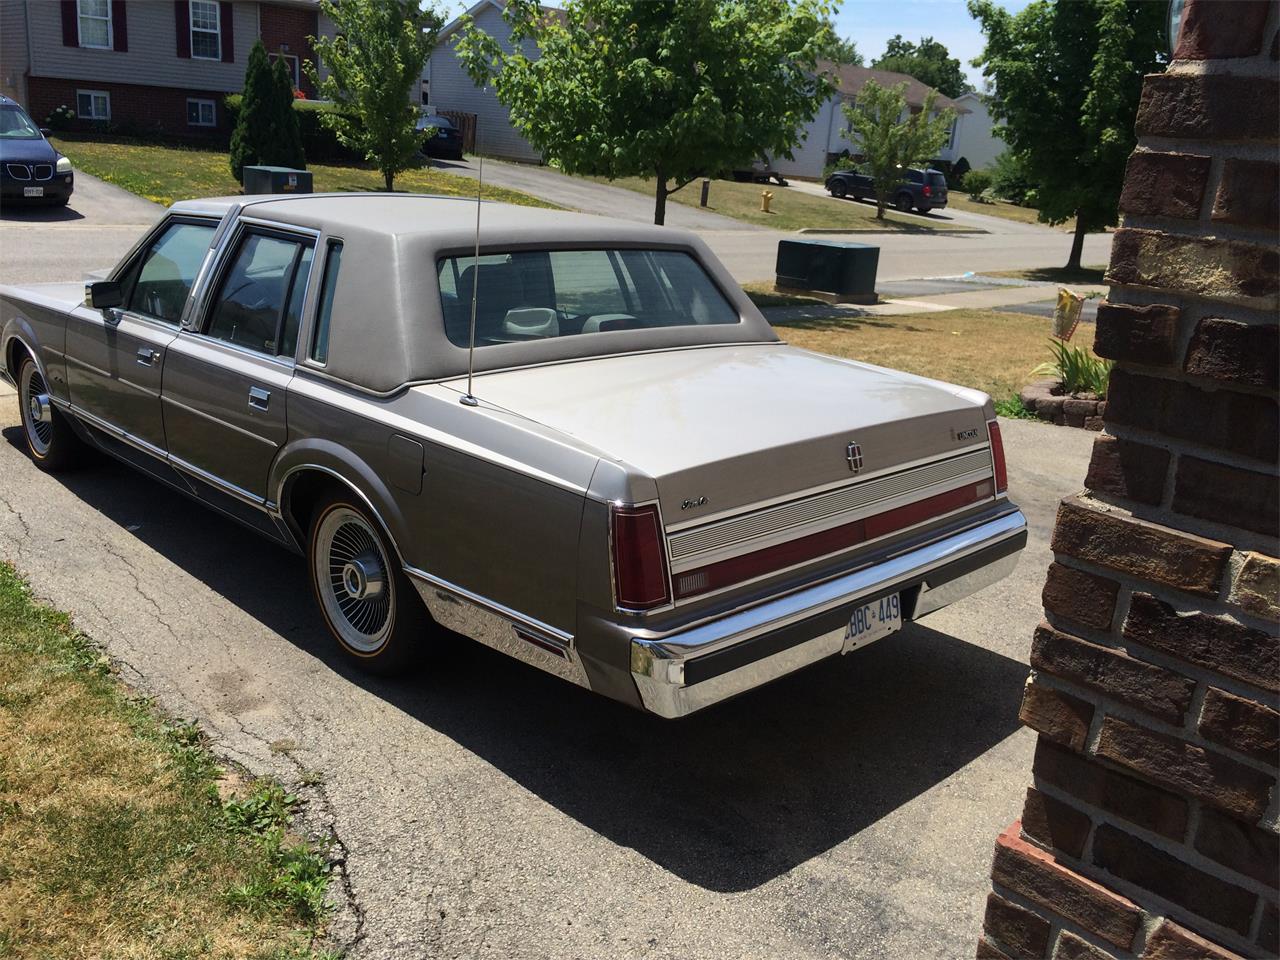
486	810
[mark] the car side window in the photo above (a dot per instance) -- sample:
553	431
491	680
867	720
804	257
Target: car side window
332	263
167	270
259	300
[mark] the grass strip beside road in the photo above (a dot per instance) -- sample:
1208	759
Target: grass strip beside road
790	209
166	174
114	839
1092	275
987	349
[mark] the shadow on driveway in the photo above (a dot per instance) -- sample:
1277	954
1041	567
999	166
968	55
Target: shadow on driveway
24	212
727	799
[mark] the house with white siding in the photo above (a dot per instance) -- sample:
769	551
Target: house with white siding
974	137
150	66
828	134
446	86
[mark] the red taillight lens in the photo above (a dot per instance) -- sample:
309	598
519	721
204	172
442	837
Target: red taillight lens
639	560
928	191
997	456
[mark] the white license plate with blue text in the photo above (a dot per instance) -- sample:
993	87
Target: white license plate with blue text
872	621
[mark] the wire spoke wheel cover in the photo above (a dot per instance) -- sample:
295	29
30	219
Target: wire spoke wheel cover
353	580
37	414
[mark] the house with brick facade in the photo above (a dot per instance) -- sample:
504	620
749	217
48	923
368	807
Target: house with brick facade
147	65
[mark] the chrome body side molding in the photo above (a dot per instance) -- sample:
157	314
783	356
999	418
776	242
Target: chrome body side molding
501	628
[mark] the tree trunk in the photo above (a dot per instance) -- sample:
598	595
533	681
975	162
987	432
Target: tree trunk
880	205
660	200
389	177
1077	243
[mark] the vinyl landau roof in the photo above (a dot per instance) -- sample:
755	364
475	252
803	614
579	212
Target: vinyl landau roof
387	327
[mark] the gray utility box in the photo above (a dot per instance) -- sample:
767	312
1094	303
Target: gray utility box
276	180
840	272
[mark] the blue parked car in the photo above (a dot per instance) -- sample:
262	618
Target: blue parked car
30	168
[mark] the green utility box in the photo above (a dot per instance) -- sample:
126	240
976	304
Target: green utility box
835	271
276	180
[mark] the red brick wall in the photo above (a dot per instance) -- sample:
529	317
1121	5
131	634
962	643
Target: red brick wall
1150	829
133	107
285	30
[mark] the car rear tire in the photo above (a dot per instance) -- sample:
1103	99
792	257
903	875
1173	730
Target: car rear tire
838	189
367	601
903	202
51	441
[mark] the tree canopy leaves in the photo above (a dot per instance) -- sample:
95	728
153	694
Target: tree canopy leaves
375	62
928	61
1067	78
891	138
266	131
668	89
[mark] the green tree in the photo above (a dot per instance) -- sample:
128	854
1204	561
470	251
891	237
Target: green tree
928	61
1067	80
892	138
843	51
375	62
266	130
668	89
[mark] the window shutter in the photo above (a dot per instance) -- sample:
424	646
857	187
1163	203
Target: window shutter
70	24
226	23
119	26
182	23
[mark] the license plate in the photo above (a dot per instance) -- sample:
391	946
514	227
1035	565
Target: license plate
33	191
874	620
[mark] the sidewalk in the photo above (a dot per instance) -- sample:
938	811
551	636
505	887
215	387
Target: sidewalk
987	298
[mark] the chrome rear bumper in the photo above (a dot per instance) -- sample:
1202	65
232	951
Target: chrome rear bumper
683	671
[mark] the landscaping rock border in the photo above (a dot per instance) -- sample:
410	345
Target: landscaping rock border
1046	399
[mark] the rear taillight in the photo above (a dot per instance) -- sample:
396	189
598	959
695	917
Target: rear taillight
928	191
997	456
639	560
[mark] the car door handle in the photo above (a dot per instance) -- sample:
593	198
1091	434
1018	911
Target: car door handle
259	399
146	356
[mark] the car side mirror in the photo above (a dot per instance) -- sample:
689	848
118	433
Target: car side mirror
46	132
103	294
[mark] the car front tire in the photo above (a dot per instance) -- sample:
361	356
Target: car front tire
838	189
365	598
51	441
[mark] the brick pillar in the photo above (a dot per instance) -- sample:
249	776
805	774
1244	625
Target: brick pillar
1150	829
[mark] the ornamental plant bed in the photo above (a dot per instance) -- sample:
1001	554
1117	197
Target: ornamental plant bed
1049	400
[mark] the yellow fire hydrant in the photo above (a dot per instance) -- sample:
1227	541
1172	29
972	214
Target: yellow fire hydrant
765	197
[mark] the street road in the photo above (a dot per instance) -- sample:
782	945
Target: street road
484	809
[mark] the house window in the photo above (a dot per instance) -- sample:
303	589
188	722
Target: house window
95	23
201	113
291	64
206	35
93	104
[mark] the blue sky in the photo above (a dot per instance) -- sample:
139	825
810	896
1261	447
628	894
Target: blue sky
870	24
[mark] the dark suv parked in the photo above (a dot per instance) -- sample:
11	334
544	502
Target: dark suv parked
29	166
445	141
923	189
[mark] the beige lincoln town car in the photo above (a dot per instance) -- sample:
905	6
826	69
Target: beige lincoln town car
640	489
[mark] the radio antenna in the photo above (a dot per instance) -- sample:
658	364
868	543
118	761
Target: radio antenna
469	398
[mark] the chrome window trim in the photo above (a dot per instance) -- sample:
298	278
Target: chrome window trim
218	260
127	261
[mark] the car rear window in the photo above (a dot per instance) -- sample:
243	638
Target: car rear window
539	294
937	180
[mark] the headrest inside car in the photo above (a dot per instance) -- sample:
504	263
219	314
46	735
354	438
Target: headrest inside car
527	322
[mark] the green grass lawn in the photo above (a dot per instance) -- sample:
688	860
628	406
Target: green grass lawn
791	209
1053	275
165	174
119	834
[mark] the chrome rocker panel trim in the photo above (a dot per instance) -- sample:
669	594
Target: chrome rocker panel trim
659	664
